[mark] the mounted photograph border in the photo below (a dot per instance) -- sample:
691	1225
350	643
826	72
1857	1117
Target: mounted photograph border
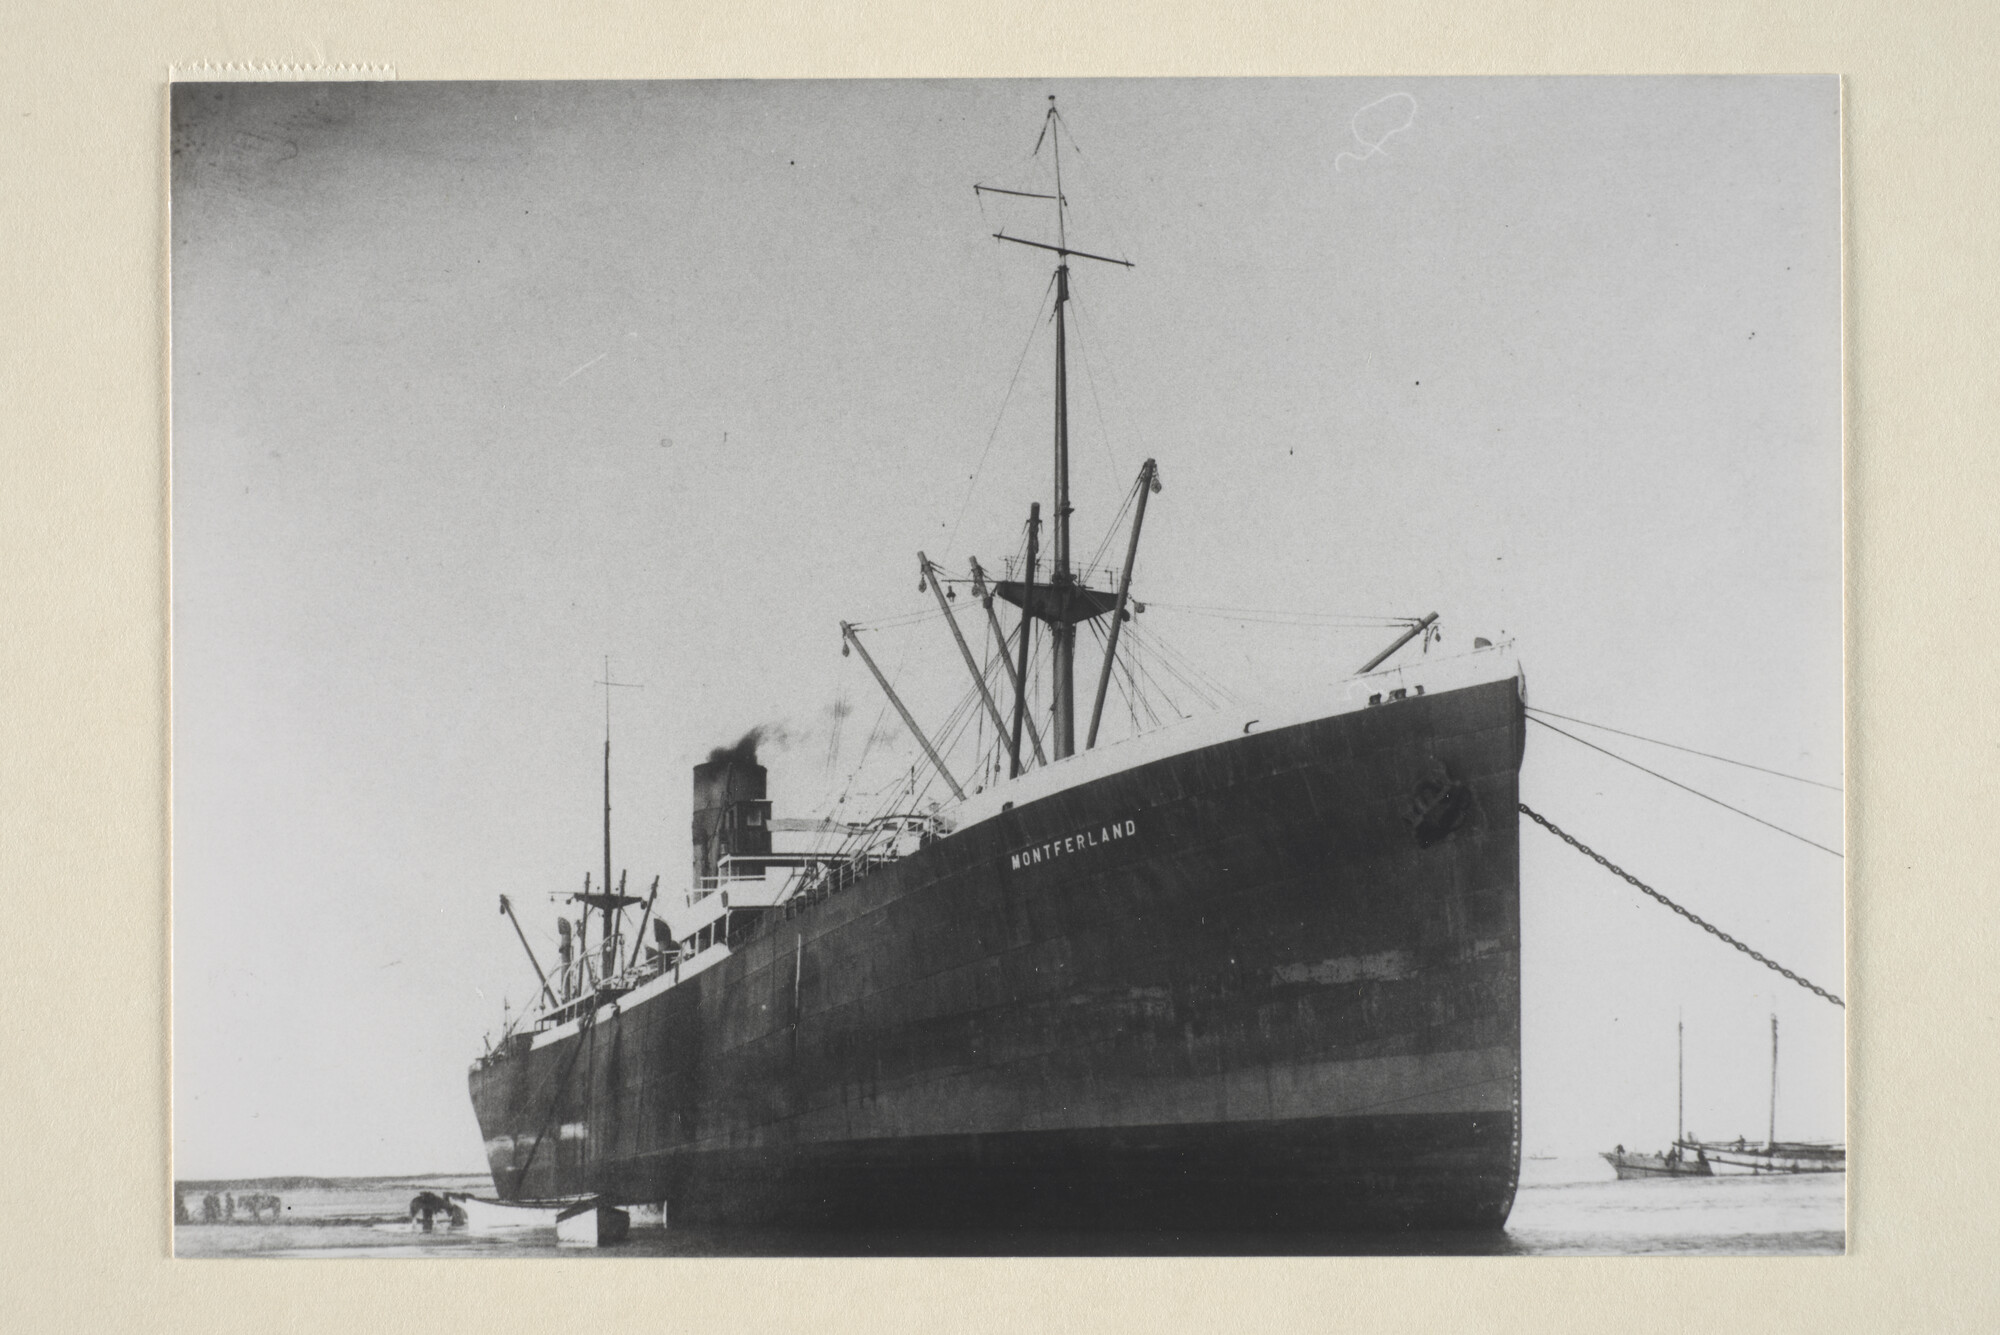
85	515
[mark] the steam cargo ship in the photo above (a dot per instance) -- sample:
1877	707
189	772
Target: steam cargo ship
1257	969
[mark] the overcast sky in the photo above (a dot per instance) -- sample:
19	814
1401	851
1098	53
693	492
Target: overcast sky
476	385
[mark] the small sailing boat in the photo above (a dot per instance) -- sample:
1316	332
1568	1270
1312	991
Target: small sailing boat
1676	1162
1774	1155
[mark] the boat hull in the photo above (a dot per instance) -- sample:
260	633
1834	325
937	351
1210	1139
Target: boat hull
484	1217
1269	983
593	1225
1781	1159
1633	1166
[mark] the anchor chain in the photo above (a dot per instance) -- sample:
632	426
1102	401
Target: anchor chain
1645	889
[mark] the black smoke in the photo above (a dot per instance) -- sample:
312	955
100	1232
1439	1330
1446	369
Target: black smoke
743	751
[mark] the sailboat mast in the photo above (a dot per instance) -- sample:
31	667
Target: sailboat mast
1771	1132
1680	1081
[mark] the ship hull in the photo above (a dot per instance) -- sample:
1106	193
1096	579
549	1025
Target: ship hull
1270	983
1333	1174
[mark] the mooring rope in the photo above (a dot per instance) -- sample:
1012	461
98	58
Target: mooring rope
1676	746
1645	889
1627	760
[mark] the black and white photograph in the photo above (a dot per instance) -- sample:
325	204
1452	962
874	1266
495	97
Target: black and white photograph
1063	667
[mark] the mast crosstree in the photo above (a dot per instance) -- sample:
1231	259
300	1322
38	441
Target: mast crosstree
1062	602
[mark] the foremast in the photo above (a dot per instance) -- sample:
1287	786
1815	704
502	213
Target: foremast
1062	602
1062	635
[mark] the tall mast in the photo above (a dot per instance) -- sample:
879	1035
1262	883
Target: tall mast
1062	632
1680	1082
611	897
1066	604
1771	1132
609	950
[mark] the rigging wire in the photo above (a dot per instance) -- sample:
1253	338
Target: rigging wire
971	714
1145	682
1140	653
1684	788
1140	699
850	839
1287	616
988	756
1121	677
1153	688
1090	380
1208	687
1005	653
1044	671
973	484
1120	401
947	737
1111	530
874	729
1137	701
1797	778
1101	636
1093	188
1014	173
898	620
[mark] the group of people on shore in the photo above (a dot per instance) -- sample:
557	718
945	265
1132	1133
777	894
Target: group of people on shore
221	1208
